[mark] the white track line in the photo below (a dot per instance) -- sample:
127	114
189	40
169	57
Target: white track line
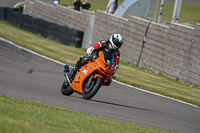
113	80
31	51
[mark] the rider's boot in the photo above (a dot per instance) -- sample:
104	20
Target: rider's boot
66	69
75	69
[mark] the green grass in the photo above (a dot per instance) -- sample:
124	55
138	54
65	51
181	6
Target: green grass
37	43
126	73
20	116
189	11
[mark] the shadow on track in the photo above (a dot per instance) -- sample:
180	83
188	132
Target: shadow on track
120	105
126	106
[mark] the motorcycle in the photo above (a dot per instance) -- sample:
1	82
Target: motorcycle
90	77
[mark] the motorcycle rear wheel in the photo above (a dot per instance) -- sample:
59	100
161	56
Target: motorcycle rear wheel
89	92
66	89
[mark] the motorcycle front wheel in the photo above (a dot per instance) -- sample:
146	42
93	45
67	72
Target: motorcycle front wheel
90	90
66	89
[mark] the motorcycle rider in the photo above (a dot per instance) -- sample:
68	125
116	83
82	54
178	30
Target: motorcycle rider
111	45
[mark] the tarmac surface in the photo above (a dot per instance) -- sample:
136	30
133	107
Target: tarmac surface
31	77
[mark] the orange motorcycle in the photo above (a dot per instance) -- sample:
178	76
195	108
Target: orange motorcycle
91	77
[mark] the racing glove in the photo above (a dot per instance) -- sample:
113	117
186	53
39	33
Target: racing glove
90	50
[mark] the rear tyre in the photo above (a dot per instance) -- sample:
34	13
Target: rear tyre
92	89
66	89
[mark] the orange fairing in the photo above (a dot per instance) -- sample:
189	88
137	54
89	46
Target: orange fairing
80	77
98	67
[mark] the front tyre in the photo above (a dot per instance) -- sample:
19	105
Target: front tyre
90	90
66	89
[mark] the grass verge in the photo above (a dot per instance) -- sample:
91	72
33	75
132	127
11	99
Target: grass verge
126	73
20	116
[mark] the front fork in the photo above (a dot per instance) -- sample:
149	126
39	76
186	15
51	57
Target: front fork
89	81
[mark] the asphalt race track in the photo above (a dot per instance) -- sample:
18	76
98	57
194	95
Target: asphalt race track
31	77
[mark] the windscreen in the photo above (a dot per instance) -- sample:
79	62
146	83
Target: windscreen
108	57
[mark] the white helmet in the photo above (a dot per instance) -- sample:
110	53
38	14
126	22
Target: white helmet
116	41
